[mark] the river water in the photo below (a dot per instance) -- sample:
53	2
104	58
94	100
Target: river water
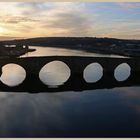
91	113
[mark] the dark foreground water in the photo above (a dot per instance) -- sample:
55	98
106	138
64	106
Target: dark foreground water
94	113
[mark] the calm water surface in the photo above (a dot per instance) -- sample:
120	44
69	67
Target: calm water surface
52	51
91	113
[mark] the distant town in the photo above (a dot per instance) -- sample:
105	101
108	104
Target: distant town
123	47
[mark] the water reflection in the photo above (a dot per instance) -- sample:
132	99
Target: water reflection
54	73
12	74
90	113
49	51
94	113
122	72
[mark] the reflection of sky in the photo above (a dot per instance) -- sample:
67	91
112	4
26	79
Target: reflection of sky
69	113
49	51
89	112
108	111
132	96
108	19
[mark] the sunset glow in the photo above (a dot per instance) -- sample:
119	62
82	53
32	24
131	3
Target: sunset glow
2	30
116	20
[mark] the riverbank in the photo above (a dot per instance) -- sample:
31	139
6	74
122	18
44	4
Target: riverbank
8	52
89	44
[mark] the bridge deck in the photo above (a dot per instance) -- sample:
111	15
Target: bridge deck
77	64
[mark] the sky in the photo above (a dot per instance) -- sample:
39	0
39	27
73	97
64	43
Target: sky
78	19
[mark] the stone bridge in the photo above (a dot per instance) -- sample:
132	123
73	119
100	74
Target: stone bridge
76	82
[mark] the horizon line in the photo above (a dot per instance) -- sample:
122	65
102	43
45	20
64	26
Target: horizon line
22	38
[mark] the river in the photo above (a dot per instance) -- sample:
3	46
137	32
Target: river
89	113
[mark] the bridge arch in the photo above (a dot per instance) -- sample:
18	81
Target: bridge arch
122	72
77	64
54	73
12	75
93	72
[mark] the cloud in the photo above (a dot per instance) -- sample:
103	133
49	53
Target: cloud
72	23
129	5
16	19
124	30
54	19
68	19
34	8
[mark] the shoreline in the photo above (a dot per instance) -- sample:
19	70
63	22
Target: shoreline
130	48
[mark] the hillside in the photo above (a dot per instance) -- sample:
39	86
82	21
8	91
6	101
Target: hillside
90	44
